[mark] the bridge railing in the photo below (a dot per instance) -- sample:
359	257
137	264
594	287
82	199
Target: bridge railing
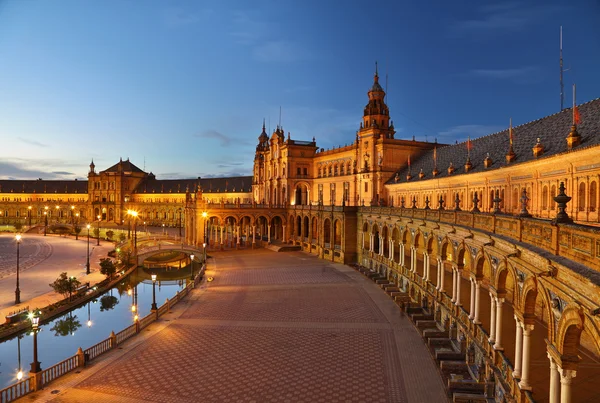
41	379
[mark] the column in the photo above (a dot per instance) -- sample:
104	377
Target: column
362	240
371	243
458	277
477	296
391	249
253	236
401	245
222	235
492	338
554	381
381	248
498	344
518	349
284	235
269	234
453	285
239	237
524	384
413	259
441	271
472	300
566	378
426	264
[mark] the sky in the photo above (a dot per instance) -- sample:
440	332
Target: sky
181	88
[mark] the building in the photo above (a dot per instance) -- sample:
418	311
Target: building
475	240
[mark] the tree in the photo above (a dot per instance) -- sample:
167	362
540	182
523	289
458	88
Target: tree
65	285
18	226
109	234
66	326
76	230
96	232
108	302
107	267
122	236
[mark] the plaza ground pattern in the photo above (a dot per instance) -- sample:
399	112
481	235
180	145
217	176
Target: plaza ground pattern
271	327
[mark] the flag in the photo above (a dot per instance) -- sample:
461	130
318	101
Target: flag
576	116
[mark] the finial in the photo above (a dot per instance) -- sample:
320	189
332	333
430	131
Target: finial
263	124
376	74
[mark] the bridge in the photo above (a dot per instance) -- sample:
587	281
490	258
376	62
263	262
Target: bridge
149	250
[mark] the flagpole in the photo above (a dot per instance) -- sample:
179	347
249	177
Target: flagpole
574	104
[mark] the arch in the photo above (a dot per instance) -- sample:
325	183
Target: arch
396	243
419	241
552	196
375	234
528	297
327	231
301	194
592	196
545	198
337	233
299	226
569	331
581	197
315	228
306	227
366	239
503	280
478	267
386	244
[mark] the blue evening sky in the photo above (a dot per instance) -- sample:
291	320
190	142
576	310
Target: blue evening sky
185	85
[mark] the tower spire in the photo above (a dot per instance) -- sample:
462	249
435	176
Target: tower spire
376	73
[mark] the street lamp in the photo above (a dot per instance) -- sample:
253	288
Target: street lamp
87	265
163	228
29	214
72	215
35	321
192	267
134	214
154	307
204	215
204	246
99	217
18	291
45	219
57	213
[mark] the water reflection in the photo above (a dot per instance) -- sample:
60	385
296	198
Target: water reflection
110	312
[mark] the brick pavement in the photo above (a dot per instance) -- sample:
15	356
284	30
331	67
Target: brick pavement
283	336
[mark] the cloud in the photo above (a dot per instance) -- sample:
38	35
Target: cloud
279	51
521	75
502	17
12	170
229	165
249	30
177	17
31	142
213	134
461	132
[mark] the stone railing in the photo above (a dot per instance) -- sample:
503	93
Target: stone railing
82	357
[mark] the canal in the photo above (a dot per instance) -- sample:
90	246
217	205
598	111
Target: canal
91	323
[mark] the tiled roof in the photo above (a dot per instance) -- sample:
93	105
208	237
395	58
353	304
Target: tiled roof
124	166
43	186
209	185
551	130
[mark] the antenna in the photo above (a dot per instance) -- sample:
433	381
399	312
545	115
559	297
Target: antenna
280	116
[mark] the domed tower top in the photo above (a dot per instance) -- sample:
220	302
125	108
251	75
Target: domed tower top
376	112
263	135
92	167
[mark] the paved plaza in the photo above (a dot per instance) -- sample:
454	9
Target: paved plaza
271	327
42	259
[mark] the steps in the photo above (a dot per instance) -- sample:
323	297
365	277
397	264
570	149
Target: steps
283	248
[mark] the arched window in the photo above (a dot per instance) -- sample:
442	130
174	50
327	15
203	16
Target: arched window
552	196
592	201
581	197
545	198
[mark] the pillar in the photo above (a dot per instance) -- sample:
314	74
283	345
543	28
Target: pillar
472	300
441	271
239	237
413	259
401	245
554	394
284	237
566	378
391	249
524	384
453	285
477	302
426	264
492	338
253	236
268	234
381	247
222	235
458	276
518	349
498	344
371	243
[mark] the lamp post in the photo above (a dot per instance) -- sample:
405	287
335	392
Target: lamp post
99	217
154	307
45	219
76	229
29	214
204	250
179	223
72	215
57	213
204	215
87	265
163	229
35	321
192	267
17	290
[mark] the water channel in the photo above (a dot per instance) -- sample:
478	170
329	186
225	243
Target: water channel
91	323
